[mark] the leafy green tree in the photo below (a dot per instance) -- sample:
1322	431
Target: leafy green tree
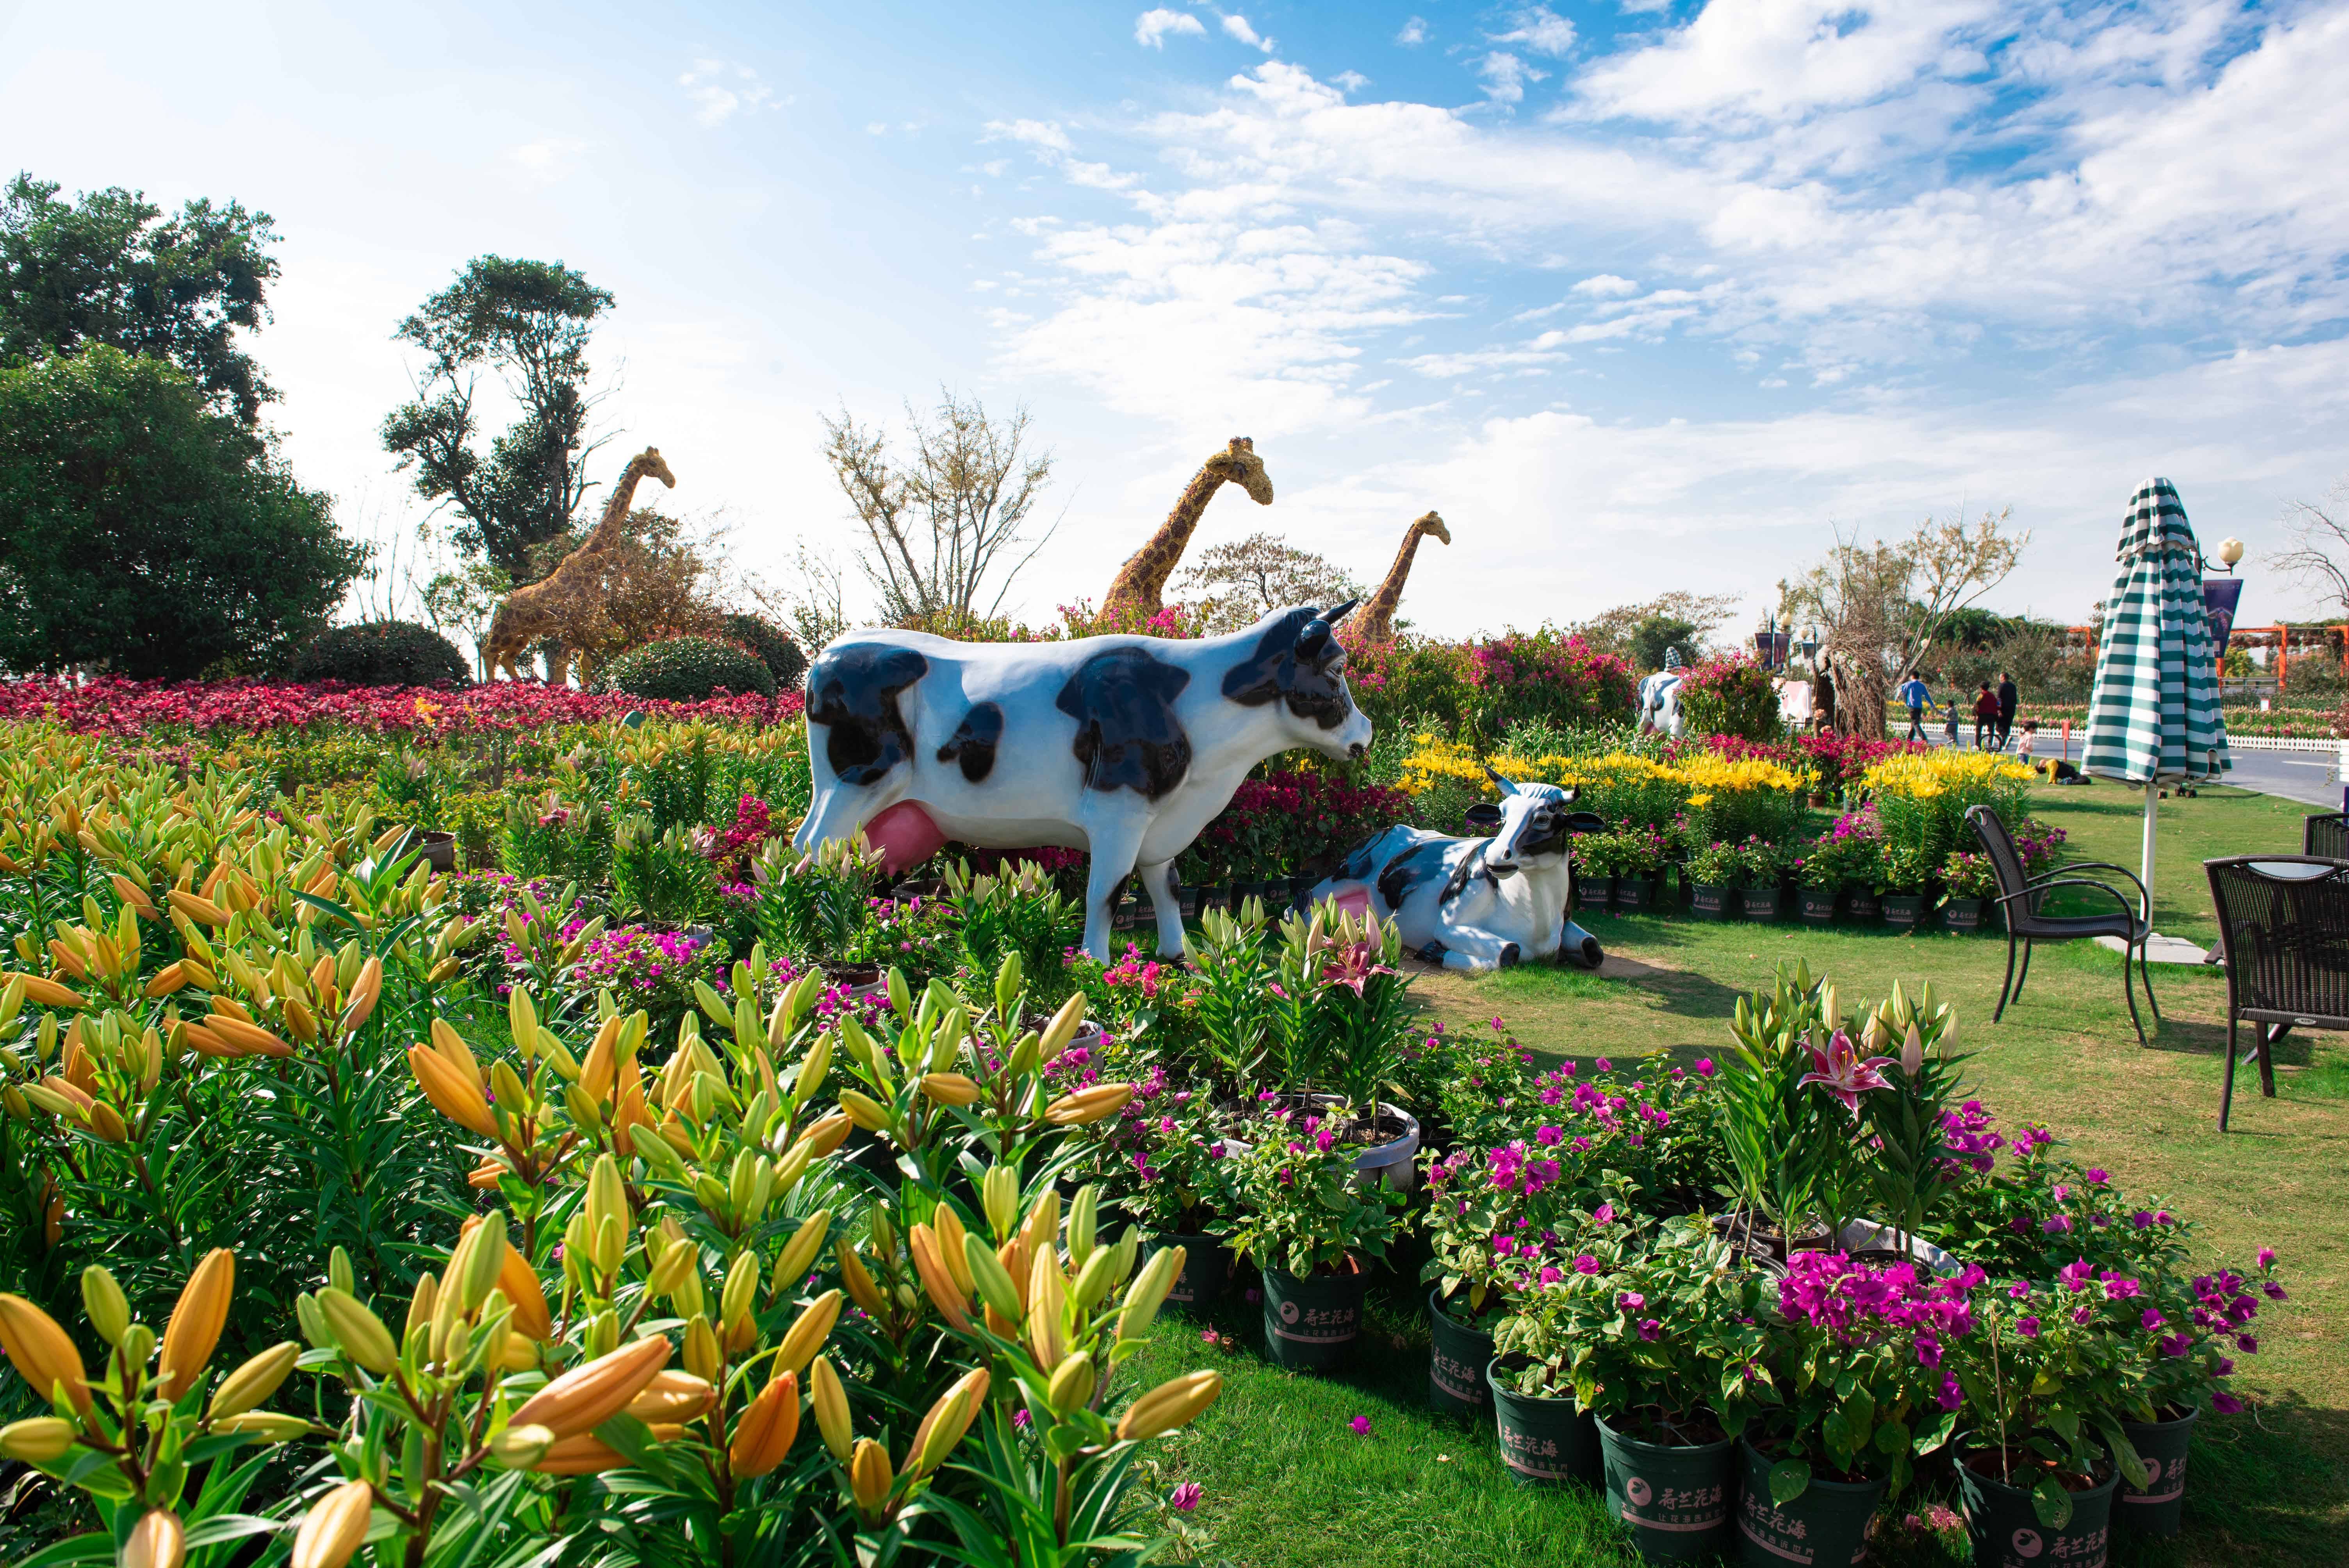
527	323
147	532
1655	635
108	268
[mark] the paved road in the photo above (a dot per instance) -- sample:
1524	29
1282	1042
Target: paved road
2299	776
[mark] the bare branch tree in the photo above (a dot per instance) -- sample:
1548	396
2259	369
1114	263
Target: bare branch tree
942	525
812	607
1881	606
2319	555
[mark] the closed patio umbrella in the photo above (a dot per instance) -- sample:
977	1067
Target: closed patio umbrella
2154	716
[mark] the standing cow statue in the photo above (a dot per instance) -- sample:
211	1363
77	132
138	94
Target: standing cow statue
1659	697
1480	903
1124	747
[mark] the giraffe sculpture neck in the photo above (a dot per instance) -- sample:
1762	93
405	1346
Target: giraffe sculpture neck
1376	622
1143	580
608	530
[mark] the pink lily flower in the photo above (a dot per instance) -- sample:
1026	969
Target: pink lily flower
1841	1072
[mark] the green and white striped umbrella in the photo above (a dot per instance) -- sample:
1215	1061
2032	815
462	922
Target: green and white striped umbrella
2154	716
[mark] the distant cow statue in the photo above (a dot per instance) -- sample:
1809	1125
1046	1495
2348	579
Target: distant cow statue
1122	746
1480	903
1659	697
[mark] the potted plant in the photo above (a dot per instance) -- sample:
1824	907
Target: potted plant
1597	858
2045	1373
1639	868
1713	873
1857	1368
1789	1144
1494	1219
1160	1160
2195	1320
1969	884
1765	873
1903	884
1665	1349
1313	1230
1819	878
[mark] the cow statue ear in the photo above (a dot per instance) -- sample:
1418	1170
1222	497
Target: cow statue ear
1483	817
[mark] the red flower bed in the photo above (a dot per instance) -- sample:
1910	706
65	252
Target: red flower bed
1296	823
140	708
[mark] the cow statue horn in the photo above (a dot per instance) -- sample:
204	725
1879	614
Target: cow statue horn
1506	788
1341	612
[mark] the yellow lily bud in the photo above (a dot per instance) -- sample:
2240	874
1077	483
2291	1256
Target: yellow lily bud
335	1526
864	1111
808	1332
949	1088
1173	1403
254	1381
39	1440
1072	1384
520	1447
702	1352
103	1302
938	1281
948	1226
764	1432
800	1251
42	1352
359	1331
157	1540
831	1402
859	1284
584	1397
1088	1105
672	1398
990	1279
824	1135
947	1420
1148	1292
269	1426
869	1478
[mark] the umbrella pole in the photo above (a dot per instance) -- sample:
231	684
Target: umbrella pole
2152	795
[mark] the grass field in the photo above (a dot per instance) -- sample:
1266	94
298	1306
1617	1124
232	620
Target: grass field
1287	1483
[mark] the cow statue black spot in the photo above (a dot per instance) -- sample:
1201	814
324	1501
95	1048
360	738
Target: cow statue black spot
1124	747
1480	903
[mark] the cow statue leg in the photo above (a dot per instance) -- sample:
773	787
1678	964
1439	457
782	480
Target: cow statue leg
1160	882
1580	947
1113	843
1466	947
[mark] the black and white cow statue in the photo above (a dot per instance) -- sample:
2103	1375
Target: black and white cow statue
1479	903
1124	747
1659	697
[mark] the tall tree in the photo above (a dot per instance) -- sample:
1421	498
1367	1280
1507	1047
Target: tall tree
1240	582
942	521
108	268
526	323
2318	556
1642	633
147	532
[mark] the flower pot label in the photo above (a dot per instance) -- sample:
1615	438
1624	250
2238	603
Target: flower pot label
1773	1532
2165	1481
1535	1456
1456	1377
1318	1324
1674	1508
2028	1548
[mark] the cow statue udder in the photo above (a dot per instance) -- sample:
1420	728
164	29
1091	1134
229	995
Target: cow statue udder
1480	903
1124	747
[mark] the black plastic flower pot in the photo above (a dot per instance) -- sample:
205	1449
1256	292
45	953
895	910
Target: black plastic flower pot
1675	1499
1762	904
1634	894
2162	1445
1708	901
1213	896
1815	905
1300	889
1310	1325
1826	1526
1964	913
1904	911
1456	1363
2007	1532
1862	902
1207	1270
1544	1442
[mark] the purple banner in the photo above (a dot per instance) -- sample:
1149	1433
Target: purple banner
1773	647
2219	597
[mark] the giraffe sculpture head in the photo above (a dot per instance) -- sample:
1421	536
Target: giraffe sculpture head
1433	524
656	467
1238	464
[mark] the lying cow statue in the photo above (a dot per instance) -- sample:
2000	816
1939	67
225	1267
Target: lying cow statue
1124	747
1480	903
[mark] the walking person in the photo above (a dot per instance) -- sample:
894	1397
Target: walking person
1985	715
1949	718
1919	697
2007	700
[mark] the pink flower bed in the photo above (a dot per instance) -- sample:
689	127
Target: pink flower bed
138	709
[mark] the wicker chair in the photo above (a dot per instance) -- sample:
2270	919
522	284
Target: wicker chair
2020	898
2326	834
2284	922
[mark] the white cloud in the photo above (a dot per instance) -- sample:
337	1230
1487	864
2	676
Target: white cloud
1236	26
1150	28
1043	133
549	158
1532	357
1413	33
1604	286
1350	81
1506	77
719	91
1540	29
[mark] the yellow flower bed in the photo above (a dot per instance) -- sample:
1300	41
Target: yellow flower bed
1436	760
1925	776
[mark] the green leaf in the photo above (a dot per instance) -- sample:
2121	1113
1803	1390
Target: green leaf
1892	1437
2051	1502
1789	1479
2124	1452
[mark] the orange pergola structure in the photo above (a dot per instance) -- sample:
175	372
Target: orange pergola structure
2280	630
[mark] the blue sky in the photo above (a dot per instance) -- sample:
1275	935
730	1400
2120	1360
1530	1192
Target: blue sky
1640	296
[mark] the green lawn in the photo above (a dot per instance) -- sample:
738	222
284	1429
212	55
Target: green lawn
1288	1482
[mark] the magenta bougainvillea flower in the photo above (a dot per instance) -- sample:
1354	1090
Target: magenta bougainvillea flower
1185	1497
1361	1425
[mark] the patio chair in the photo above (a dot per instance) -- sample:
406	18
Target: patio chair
2020	898
2284	922
2326	834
